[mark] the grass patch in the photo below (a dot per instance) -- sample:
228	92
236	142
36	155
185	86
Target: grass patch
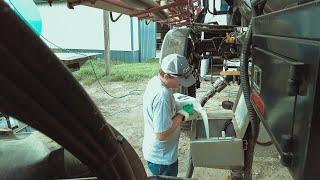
120	71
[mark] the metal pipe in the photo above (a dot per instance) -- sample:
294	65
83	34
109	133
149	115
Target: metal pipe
140	4
117	3
176	20
154	9
181	14
181	23
218	86
147	4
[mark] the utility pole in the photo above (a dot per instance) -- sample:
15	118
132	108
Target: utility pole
106	42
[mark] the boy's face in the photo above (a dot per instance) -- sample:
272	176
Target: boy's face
171	81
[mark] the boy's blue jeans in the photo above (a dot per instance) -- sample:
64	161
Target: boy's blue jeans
165	170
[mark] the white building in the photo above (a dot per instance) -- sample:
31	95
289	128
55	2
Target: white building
81	29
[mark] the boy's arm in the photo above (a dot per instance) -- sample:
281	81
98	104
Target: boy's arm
175	124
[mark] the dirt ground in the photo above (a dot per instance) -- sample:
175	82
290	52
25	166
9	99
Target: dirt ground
126	116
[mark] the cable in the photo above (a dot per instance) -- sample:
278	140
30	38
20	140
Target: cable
147	22
117	97
114	20
214	8
95	74
210	11
213	13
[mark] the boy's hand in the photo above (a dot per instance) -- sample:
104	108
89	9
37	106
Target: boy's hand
186	110
184	113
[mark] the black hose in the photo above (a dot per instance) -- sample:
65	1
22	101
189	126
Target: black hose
114	20
214	7
210	11
245	85
205	4
257	9
41	70
244	75
147	22
201	17
214	10
207	96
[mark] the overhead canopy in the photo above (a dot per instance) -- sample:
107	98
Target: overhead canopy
173	12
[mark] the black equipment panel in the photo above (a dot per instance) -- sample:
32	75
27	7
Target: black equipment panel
286	54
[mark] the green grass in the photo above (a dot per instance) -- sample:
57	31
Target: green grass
120	71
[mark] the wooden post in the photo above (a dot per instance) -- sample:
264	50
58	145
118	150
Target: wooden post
106	42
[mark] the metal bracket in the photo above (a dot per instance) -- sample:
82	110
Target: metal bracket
286	159
245	145
286	154
120	138
257	74
294	81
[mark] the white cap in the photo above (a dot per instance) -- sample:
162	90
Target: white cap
178	67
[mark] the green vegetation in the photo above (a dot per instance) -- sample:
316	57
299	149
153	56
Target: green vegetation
120	71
